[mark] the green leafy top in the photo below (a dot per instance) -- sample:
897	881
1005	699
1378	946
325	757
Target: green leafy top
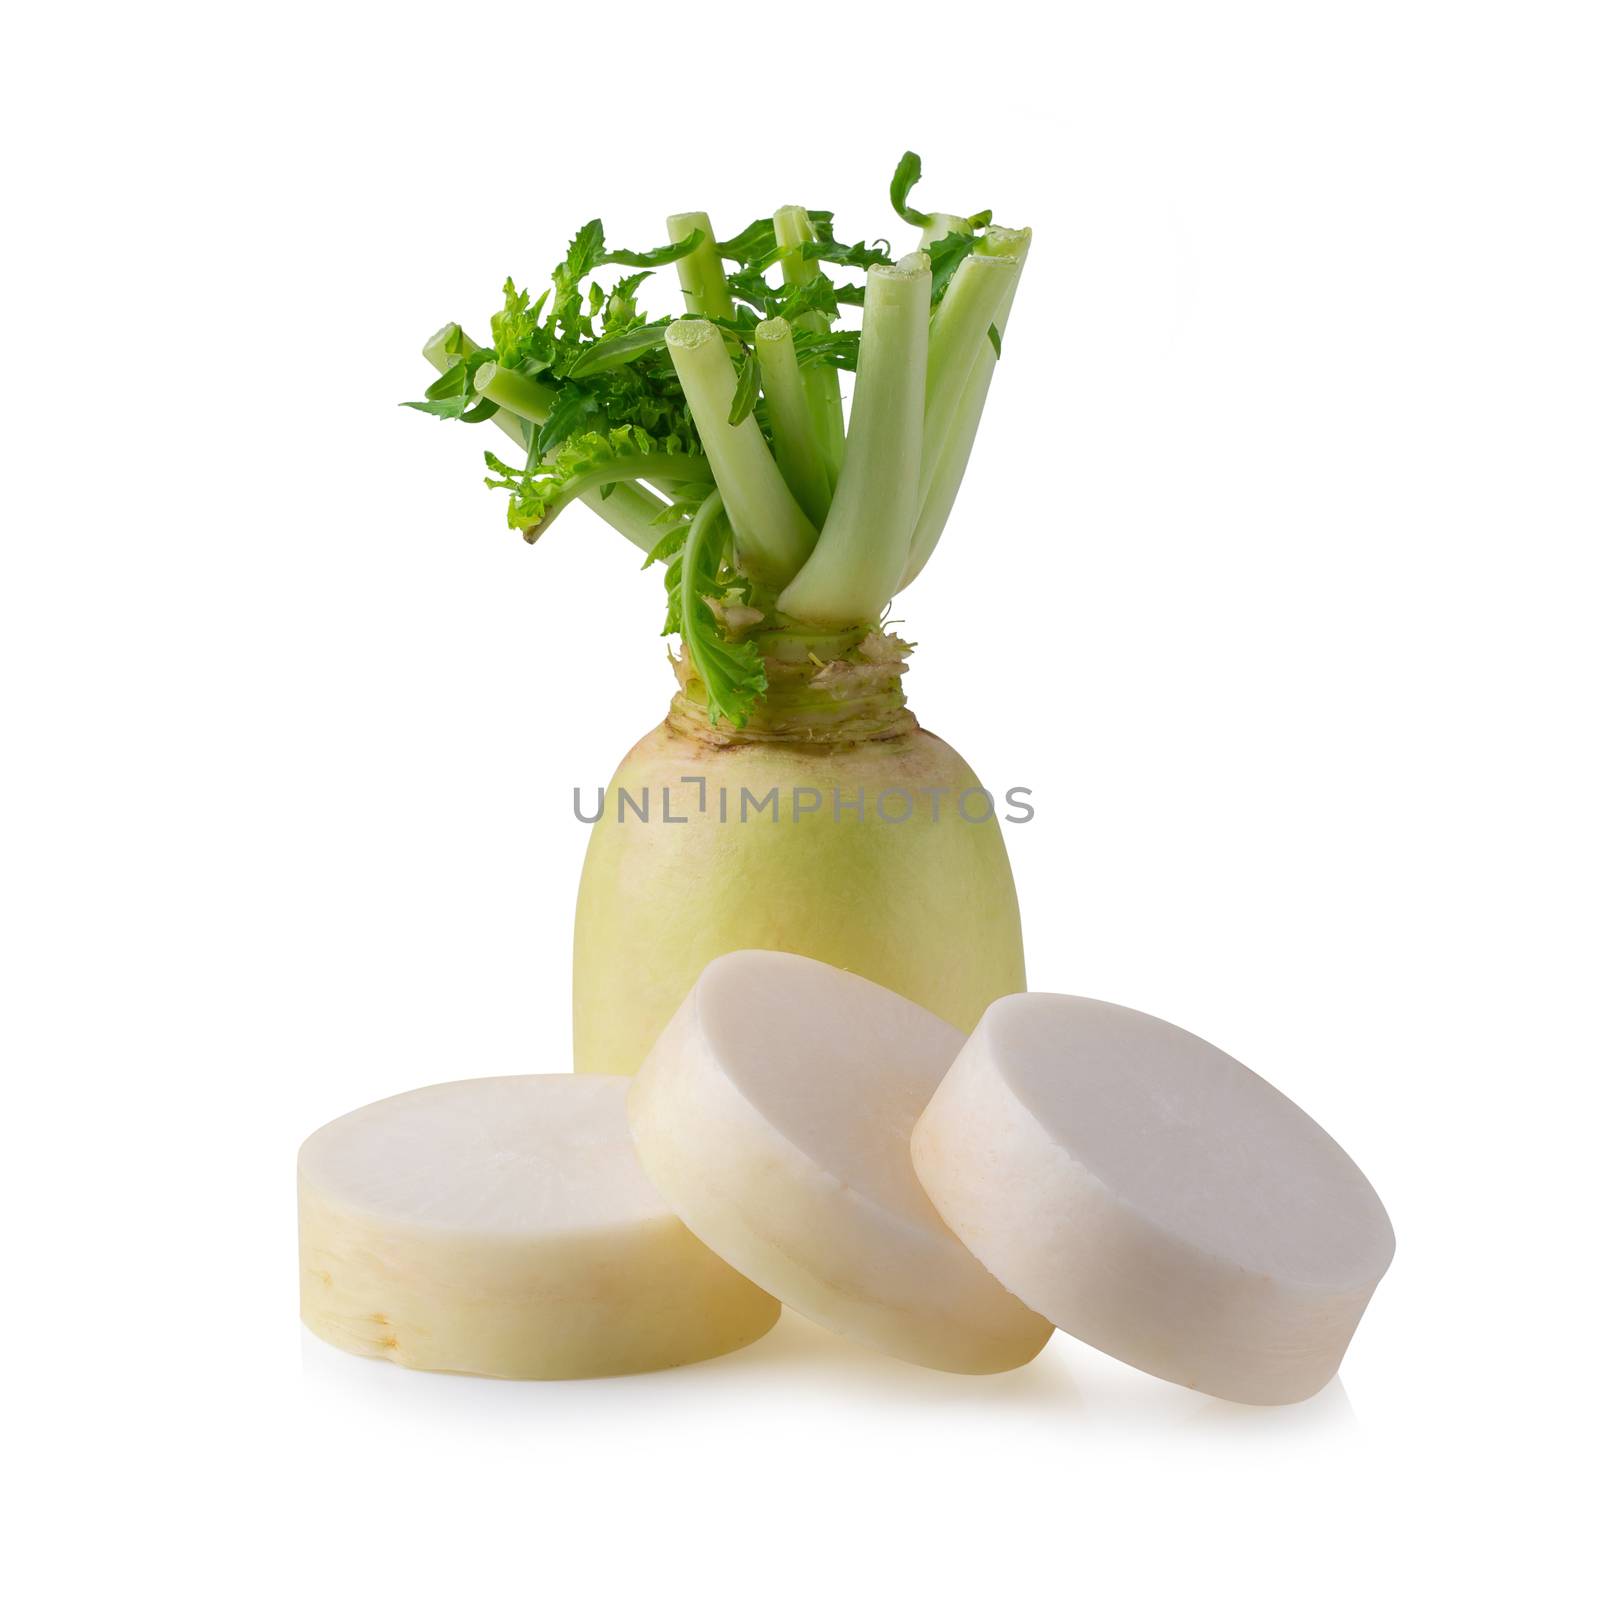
583	384
706	602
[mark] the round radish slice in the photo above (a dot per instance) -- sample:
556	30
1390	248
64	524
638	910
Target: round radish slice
1152	1196
502	1226
774	1114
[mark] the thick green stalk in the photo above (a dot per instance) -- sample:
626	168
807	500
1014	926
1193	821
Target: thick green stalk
705	286
794	436
852	574
515	392
960	331
793	229
770	532
1011	243
673	471
632	511
449	343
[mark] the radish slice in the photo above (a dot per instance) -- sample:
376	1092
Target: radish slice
1155	1198
774	1113
503	1226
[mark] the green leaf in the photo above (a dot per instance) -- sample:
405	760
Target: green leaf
547	485
586	252
757	244
906	177
838	347
698	580
945	255
661	256
994	339
861	255
732	670
519	342
749	286
615	349
454	407
574	407
745	391
453	380
792	301
667	546
621	308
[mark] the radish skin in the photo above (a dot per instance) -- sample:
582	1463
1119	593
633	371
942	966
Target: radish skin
924	907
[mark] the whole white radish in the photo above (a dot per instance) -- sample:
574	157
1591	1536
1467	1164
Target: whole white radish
717	445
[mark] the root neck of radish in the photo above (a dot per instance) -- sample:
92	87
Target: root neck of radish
823	687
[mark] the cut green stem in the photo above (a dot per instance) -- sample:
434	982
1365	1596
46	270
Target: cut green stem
450	345
960	332
864	545
515	392
705	285
621	475
793	228
794	434
948	470
771	533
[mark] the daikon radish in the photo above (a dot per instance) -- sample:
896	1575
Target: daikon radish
790	799
1152	1196
774	1114
502	1226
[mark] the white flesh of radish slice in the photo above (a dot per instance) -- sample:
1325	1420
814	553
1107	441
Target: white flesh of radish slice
502	1226
774	1113
1155	1198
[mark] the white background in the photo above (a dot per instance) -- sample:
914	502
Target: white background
1274	578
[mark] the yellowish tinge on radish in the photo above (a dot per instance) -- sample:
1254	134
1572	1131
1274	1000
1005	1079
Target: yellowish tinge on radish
859	856
502	1226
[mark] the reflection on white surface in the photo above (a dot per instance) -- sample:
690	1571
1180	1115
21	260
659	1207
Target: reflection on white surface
1068	1385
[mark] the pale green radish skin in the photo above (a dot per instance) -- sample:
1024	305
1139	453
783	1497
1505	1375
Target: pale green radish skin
926	908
